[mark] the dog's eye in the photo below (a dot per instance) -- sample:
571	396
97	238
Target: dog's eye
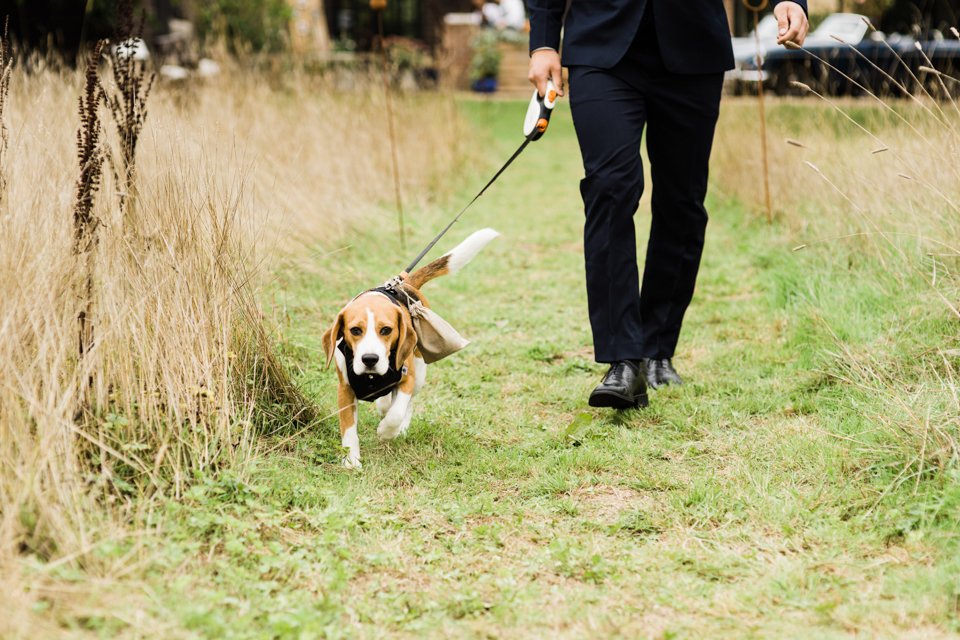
386	331
356	331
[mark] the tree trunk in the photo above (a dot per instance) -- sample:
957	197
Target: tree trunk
323	30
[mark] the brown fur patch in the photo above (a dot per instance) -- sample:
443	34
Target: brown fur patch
435	269
354	316
346	402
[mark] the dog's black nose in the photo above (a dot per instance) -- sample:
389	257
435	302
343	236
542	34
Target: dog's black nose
369	359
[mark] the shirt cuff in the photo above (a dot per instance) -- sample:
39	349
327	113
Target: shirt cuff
542	49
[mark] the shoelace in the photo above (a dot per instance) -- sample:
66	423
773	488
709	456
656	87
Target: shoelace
617	370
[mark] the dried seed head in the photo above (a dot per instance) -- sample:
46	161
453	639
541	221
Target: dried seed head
839	39
868	23
927	69
956	34
795	143
917	46
790	44
904	176
89	155
880	149
813	166
801	85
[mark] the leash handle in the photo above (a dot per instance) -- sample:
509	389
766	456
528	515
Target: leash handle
538	112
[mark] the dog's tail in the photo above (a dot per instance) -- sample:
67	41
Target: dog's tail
454	260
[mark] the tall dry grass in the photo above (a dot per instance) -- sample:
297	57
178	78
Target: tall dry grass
849	165
870	189
180	379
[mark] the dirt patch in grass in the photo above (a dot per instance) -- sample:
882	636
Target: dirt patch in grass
607	503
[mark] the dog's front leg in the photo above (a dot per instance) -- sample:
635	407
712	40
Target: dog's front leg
383	404
419	379
347	402
398	416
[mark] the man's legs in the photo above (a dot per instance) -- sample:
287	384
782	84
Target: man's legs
609	115
682	113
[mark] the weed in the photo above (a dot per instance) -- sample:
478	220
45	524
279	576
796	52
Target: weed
126	100
6	72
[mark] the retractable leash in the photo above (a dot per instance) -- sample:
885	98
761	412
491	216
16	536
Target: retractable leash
534	125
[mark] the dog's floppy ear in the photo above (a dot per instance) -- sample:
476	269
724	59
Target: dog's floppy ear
406	338
330	337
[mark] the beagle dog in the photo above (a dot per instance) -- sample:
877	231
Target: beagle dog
375	347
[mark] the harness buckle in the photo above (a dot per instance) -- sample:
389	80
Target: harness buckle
393	283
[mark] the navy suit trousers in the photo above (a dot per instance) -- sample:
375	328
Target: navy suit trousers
611	108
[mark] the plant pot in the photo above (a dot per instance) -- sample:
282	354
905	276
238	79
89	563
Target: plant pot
485	85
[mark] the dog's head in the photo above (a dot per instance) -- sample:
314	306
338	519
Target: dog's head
373	327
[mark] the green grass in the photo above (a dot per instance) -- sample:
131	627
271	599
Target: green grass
758	500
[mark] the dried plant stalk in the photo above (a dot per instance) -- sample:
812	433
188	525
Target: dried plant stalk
90	157
6	70
127	98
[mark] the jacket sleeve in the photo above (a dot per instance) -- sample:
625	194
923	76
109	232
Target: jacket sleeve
546	21
802	3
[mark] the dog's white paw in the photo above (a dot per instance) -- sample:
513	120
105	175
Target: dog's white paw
389	428
352	462
392	424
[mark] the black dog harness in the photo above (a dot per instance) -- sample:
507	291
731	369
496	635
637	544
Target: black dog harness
370	386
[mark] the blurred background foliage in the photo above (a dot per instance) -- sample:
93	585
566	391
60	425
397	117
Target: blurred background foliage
259	25
62	26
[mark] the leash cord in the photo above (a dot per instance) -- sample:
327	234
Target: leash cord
430	246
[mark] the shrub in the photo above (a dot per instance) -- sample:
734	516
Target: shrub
256	25
486	56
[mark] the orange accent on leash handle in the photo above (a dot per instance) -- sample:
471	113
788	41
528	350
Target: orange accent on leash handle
538	113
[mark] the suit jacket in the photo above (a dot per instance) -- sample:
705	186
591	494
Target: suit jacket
694	35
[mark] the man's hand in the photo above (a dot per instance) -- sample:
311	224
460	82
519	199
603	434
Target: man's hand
545	65
792	21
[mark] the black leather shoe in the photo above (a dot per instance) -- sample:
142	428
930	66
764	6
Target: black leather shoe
660	372
622	387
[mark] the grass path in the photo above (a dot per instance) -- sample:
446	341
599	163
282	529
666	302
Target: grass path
514	510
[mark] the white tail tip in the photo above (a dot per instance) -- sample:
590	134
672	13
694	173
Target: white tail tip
466	250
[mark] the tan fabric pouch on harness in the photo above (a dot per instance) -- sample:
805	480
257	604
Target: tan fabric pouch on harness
435	337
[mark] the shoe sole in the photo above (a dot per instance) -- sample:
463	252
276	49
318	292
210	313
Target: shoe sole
611	400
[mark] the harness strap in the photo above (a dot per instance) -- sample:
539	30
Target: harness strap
399	294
